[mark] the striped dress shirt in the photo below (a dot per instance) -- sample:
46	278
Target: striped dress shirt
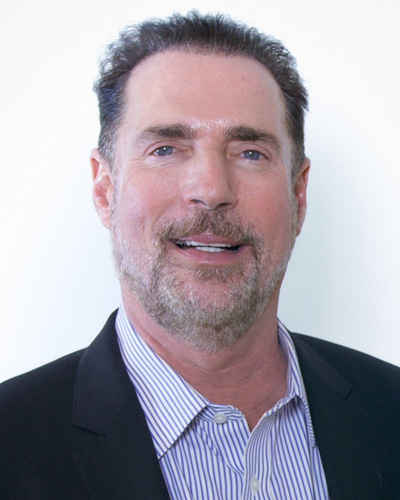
206	451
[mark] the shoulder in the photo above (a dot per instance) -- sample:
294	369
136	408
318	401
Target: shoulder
32	395
35	415
53	380
354	401
349	361
374	383
44	375
35	432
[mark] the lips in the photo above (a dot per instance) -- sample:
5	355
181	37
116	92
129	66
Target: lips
216	247
209	236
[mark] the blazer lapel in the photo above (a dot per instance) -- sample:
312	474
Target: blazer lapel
111	446
113	452
344	433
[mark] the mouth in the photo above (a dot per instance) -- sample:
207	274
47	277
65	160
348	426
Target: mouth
217	247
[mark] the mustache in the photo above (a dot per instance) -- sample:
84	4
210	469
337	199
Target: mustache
216	223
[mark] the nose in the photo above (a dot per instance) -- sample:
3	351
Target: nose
209	181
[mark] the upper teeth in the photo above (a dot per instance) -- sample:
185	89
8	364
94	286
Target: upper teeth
206	247
197	244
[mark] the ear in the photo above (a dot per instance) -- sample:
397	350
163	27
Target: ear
103	187
300	192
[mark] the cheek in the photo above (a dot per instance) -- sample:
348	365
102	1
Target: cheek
140	205
270	210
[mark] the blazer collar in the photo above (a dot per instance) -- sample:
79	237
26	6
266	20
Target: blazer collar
114	453
112	447
343	429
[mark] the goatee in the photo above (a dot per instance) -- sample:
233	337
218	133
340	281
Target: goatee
168	289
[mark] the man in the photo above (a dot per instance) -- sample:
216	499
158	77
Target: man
194	389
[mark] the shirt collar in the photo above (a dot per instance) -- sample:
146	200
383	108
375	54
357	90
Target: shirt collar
296	387
170	404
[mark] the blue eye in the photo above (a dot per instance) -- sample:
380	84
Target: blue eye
164	151
250	154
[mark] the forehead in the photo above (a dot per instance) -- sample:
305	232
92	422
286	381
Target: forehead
204	90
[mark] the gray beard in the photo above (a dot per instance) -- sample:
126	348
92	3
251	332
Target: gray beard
171	302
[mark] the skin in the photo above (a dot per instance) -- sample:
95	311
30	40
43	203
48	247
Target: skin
209	165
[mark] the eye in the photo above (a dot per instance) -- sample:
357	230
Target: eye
251	154
163	151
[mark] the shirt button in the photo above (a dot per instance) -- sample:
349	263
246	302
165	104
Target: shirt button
254	484
220	418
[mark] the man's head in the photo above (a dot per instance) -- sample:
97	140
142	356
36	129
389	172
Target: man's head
203	34
202	203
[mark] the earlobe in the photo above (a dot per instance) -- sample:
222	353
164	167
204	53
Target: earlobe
103	186
300	192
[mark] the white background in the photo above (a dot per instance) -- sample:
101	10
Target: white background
57	282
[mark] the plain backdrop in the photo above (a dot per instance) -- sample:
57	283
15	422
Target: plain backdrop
57	282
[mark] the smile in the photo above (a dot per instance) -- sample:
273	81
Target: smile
207	247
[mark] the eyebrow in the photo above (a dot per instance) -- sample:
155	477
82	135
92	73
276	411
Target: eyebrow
181	131
251	134
173	131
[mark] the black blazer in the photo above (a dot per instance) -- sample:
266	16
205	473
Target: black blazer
74	429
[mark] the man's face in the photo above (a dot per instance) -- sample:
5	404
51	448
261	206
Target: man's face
200	204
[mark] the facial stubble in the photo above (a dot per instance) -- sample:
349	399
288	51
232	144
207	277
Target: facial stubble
169	290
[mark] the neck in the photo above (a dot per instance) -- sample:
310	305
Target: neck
251	375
